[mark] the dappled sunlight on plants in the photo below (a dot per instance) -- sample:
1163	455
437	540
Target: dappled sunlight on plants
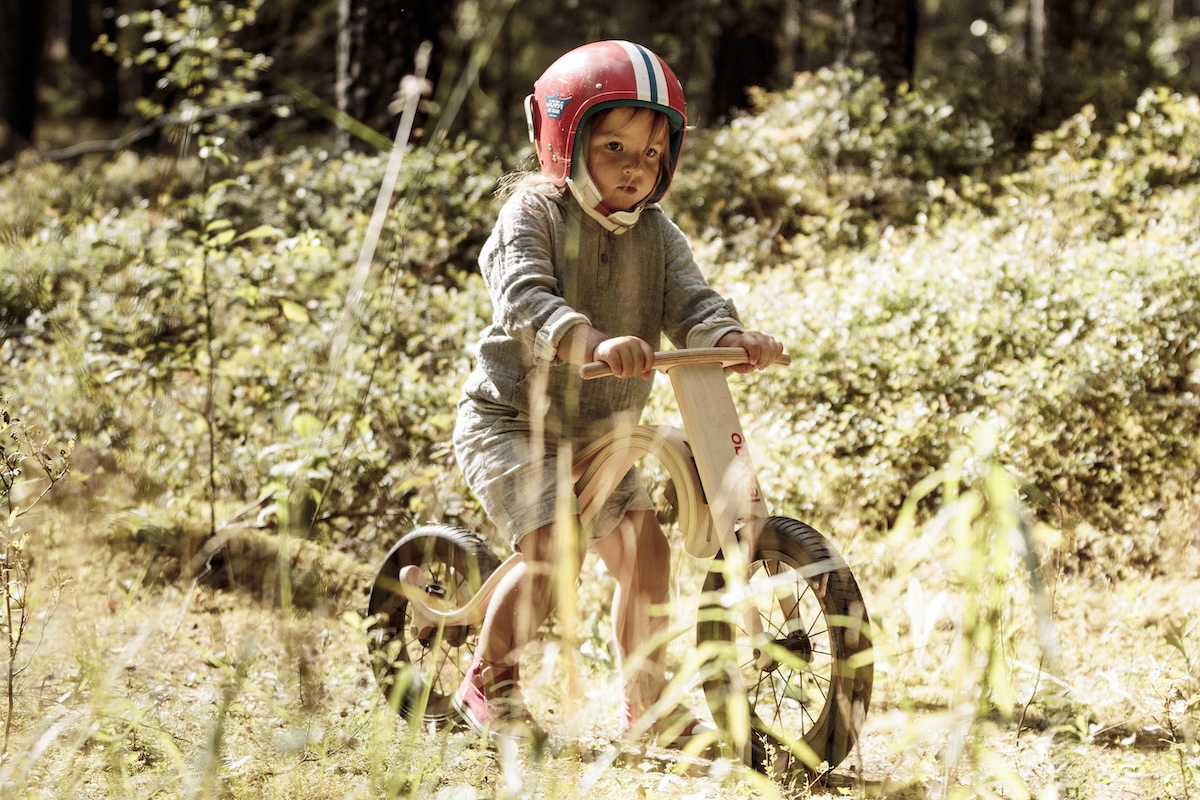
992	411
1082	350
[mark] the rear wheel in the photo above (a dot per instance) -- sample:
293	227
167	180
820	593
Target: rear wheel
419	663
797	680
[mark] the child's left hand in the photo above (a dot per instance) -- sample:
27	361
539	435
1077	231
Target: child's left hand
763	349
627	356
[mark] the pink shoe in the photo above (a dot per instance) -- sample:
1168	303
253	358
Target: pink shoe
488	700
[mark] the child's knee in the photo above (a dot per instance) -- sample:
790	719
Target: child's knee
547	550
652	542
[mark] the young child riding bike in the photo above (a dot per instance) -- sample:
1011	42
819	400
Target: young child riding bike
582	265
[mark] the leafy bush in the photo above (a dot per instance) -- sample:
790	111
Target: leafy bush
178	316
832	162
202	75
1110	185
1084	355
1066	312
129	306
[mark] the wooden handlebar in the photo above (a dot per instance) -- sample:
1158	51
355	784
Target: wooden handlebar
669	359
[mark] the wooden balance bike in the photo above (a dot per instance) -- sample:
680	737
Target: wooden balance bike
781	606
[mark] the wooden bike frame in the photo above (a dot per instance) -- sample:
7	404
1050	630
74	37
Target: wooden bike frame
708	461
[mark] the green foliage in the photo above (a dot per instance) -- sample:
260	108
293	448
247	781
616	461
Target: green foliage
120	328
1084	351
21	448
1114	184
174	312
1063	307
1103	55
203	74
832	162
1180	714
982	549
29	469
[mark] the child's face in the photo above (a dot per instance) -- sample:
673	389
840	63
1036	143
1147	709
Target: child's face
625	155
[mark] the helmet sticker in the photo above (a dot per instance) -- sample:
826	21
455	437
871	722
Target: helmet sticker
555	105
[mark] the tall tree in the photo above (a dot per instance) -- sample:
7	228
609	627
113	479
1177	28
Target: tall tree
745	53
88	20
377	46
1053	29
22	37
1061	28
880	35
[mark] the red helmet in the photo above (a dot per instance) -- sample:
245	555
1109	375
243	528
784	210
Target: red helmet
591	78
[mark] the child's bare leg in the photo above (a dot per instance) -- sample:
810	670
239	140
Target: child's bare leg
519	606
638	555
525	596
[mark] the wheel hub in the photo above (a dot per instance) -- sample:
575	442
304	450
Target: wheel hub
795	643
425	631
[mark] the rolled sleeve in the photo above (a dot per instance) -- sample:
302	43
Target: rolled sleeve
552	331
710	331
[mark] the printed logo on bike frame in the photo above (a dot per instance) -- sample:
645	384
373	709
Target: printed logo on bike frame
648	72
555	105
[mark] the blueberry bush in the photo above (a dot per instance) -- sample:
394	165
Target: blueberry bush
176	316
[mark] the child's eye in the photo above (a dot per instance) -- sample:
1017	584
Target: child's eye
614	146
652	152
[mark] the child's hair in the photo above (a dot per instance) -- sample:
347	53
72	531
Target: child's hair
531	178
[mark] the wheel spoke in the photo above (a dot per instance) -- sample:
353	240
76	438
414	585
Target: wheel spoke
787	696
790	665
452	564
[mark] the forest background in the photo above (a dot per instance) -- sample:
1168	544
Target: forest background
226	392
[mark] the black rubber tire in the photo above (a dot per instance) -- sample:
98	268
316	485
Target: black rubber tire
807	706
419	671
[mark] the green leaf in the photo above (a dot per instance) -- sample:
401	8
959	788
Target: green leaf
262	232
306	425
221	239
293	311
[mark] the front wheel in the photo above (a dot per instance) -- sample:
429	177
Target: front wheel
794	638
417	662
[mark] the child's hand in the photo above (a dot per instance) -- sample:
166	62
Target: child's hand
763	349
627	356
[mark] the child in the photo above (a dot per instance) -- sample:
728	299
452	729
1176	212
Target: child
582	266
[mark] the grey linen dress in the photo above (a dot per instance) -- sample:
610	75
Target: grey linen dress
548	267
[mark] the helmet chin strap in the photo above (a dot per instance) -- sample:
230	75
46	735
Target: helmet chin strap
584	190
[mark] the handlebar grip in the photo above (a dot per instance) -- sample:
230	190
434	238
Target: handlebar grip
669	359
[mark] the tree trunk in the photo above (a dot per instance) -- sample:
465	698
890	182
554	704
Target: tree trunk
22	36
1060	26
880	36
1061	31
102	97
377	46
1037	47
746	53
790	41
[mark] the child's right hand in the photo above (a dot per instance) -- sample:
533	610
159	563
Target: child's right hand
627	356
